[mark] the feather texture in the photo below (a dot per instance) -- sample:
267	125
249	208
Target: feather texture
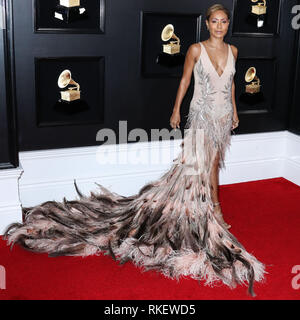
169	225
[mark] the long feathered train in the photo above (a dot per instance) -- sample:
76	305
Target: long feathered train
168	226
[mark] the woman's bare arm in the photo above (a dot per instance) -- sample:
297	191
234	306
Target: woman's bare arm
191	58
235	114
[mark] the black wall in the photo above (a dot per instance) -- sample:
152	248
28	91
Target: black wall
294	125
145	102
8	129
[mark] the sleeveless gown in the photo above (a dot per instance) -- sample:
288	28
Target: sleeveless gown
169	225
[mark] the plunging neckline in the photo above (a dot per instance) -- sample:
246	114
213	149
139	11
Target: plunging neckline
220	76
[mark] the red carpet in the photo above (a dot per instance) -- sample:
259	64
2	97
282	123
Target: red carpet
265	218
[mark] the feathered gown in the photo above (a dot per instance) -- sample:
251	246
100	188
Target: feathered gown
169	225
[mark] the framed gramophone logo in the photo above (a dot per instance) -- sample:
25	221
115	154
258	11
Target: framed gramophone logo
71	93
256	18
69	16
170	55
69	90
255	84
165	39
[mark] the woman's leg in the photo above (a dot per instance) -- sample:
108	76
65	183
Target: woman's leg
214	184
214	181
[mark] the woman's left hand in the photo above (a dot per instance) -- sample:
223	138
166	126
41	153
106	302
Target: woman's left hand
235	122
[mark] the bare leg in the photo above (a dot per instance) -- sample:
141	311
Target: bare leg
214	180
214	184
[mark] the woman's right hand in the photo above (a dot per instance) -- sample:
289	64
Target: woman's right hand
175	119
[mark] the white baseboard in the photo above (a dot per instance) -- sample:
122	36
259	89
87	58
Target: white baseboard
291	170
49	174
10	204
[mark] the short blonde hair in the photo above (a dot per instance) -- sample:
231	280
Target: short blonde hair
216	7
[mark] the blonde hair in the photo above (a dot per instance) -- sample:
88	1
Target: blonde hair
214	8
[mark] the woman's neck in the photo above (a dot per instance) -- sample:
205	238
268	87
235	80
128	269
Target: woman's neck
215	42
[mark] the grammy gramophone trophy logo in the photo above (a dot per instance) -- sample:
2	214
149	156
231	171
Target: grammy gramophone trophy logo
70	101
69	11
72	93
259	11
252	93
170	55
253	85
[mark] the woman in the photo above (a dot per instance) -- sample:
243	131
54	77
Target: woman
170	225
217	22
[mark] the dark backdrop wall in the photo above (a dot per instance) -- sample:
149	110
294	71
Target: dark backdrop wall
294	125
123	92
8	130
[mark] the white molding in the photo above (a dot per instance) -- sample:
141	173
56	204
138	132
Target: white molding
10	204
292	164
49	174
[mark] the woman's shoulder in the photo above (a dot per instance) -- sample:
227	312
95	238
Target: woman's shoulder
195	50
233	47
195	47
234	50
